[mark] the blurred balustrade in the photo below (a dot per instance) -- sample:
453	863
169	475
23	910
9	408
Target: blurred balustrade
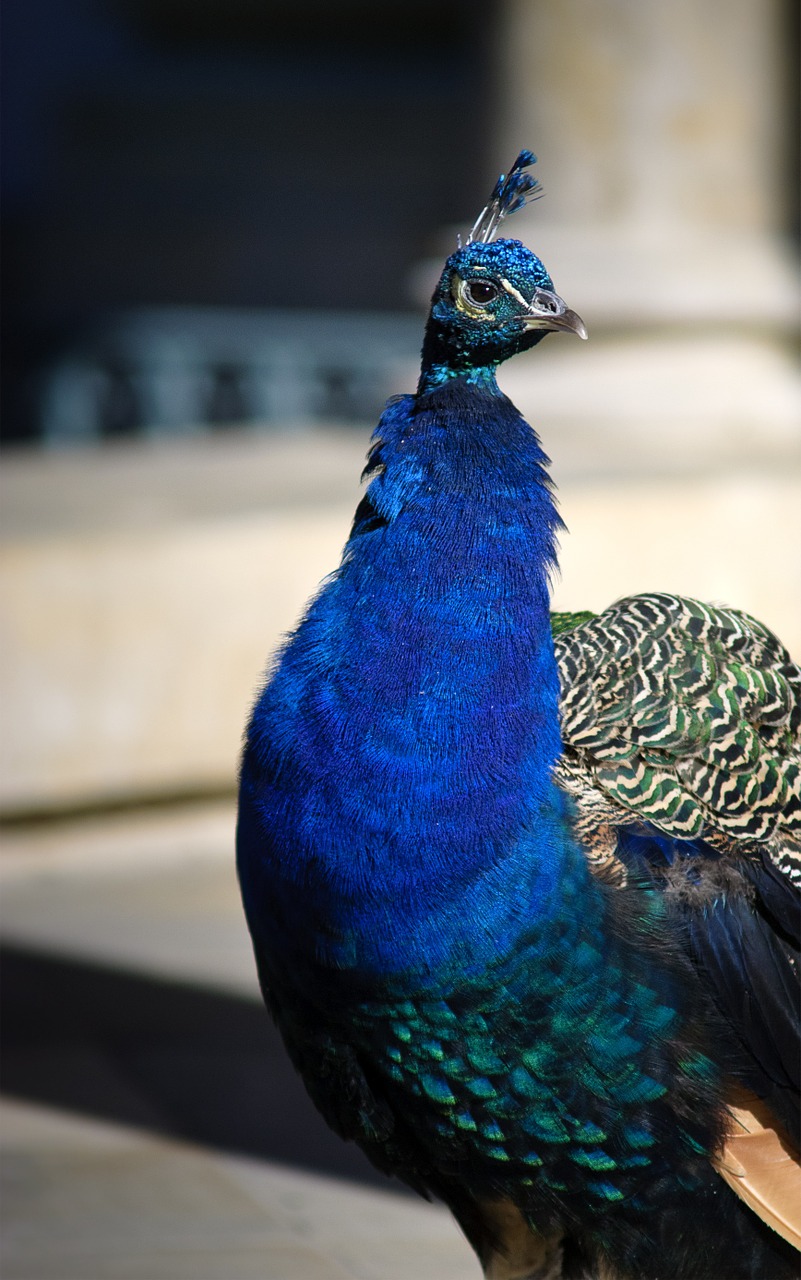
179	370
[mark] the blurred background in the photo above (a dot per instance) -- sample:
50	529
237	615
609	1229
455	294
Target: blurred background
222	220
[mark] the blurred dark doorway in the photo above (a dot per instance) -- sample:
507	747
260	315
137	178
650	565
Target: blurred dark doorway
280	153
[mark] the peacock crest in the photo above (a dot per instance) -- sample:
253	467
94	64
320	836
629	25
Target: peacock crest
511	192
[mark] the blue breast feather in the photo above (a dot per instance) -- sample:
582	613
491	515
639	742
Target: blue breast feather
414	713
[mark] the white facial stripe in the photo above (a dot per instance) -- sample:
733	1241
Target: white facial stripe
515	293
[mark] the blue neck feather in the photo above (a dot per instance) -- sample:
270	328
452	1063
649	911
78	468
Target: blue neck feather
403	749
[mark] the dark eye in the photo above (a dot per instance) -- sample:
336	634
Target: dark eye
480	292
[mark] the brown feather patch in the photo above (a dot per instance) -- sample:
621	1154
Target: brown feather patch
517	1252
761	1165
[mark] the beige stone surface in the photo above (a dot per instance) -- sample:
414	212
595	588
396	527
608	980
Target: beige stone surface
153	893
130	660
84	1200
666	114
734	540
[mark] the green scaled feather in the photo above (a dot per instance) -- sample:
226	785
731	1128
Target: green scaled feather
562	622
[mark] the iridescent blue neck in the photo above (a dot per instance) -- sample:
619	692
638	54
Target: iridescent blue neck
440	373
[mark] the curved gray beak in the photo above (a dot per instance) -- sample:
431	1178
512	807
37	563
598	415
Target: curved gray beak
548	311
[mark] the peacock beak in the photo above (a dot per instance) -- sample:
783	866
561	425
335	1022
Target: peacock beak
548	311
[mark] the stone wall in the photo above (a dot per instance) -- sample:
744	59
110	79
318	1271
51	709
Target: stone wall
144	588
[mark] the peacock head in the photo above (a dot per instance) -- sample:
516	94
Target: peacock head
494	297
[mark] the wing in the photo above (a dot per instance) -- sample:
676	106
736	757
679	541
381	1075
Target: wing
688	718
681	727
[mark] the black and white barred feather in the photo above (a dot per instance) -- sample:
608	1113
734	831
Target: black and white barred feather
685	716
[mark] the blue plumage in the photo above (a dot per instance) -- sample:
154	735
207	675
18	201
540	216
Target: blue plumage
490	1015
379	780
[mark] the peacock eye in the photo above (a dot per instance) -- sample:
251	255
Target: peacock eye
480	292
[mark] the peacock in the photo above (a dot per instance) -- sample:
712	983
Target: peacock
522	886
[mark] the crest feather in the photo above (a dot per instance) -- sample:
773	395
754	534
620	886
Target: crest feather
511	192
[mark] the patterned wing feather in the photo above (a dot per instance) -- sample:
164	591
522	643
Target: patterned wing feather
687	717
